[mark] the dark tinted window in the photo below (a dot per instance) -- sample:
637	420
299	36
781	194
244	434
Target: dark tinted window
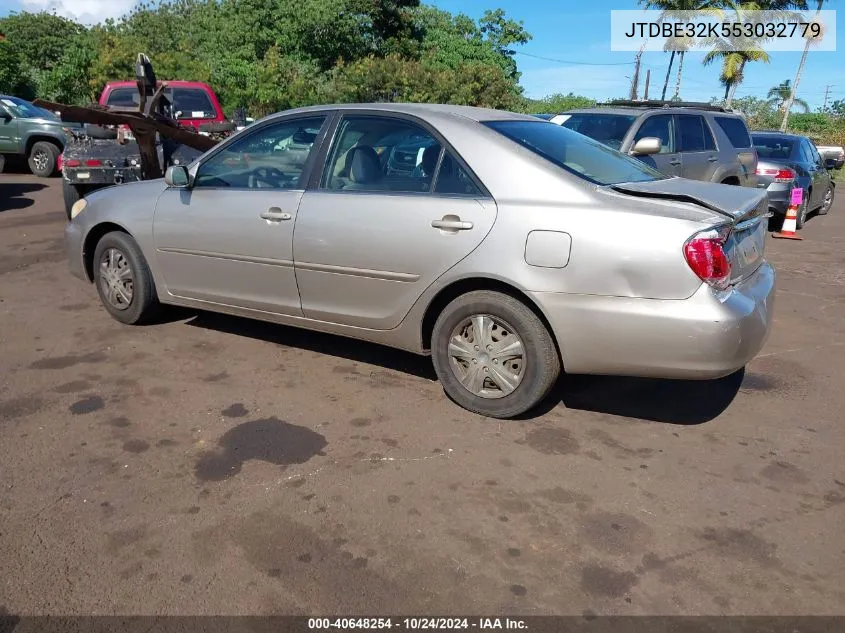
659	126
694	134
736	131
806	154
187	103
577	154
452	179
609	129
775	147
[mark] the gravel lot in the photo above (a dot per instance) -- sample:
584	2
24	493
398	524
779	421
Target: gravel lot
212	465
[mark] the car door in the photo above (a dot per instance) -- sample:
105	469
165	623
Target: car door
9	132
394	209
821	177
697	147
228	238
661	126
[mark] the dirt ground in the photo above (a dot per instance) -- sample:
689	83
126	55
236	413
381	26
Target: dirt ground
212	465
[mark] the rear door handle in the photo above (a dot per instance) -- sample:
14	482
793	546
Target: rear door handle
712	159
451	225
674	162
275	214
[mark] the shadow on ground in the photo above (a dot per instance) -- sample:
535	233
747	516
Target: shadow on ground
682	402
12	195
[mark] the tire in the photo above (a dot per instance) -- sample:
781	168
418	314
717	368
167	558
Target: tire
72	194
2	163
828	202
143	303
100	132
538	368
42	159
803	212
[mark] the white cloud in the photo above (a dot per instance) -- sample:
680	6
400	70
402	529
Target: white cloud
84	11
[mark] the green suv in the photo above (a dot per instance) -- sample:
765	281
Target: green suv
29	131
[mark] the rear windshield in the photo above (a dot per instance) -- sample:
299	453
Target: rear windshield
188	103
774	146
609	129
736	131
576	153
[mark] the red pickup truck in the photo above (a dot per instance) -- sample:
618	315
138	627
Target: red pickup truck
97	157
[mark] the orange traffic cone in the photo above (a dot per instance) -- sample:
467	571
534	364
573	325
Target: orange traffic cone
790	225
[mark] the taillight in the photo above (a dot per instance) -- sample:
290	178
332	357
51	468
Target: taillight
72	163
705	254
778	175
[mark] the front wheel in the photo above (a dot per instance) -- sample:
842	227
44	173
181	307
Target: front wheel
123	279
827	202
43	159
803	210
493	355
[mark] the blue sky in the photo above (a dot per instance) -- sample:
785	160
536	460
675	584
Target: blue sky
564	32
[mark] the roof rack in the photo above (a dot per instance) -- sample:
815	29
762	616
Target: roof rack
628	103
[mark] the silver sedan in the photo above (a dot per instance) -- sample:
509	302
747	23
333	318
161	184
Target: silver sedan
506	247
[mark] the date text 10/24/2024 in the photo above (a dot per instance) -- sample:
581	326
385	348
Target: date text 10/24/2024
420	623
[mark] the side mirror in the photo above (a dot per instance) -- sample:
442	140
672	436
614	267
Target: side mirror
647	145
177	176
830	163
5	116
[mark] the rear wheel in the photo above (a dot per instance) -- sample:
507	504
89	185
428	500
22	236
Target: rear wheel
43	159
493	355
827	202
123	279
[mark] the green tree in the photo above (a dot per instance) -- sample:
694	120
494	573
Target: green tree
557	103
13	80
779	95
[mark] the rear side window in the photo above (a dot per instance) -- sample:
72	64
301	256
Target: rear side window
578	154
695	135
736	131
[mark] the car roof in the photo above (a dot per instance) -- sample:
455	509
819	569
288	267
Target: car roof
638	111
176	83
423	110
776	133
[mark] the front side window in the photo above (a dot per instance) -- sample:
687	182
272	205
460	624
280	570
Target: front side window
576	153
662	127
736	131
695	135
273	157
381	154
609	129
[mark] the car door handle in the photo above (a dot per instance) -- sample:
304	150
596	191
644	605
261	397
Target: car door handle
275	214
674	162
712	159
451	225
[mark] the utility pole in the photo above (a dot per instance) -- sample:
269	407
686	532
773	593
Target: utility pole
826	93
647	82
635	82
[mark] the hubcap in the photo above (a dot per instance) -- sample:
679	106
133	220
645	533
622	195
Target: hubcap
116	279
487	356
40	160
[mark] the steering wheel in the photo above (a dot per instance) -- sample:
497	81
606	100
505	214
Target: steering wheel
266	176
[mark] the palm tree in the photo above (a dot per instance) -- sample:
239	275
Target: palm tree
791	99
735	52
670	10
779	95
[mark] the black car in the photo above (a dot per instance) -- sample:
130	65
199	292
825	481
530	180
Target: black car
789	161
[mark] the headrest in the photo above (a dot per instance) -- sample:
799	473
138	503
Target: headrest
429	159
364	164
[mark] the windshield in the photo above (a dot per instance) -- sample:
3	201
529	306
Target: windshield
25	110
609	129
576	153
188	103
773	147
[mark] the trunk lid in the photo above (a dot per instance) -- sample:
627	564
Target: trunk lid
745	210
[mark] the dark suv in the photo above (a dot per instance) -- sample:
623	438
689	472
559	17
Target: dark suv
31	132
691	140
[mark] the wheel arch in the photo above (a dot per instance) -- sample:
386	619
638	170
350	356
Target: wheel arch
470	284
92	238
36	137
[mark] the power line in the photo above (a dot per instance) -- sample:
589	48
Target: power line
566	61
